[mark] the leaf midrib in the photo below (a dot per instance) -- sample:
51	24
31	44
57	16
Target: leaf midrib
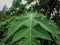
30	27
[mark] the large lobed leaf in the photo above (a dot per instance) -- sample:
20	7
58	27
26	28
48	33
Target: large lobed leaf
31	26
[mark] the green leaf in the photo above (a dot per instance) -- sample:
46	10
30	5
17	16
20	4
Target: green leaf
2	23
30	26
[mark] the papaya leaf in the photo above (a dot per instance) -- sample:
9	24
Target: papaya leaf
31	26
